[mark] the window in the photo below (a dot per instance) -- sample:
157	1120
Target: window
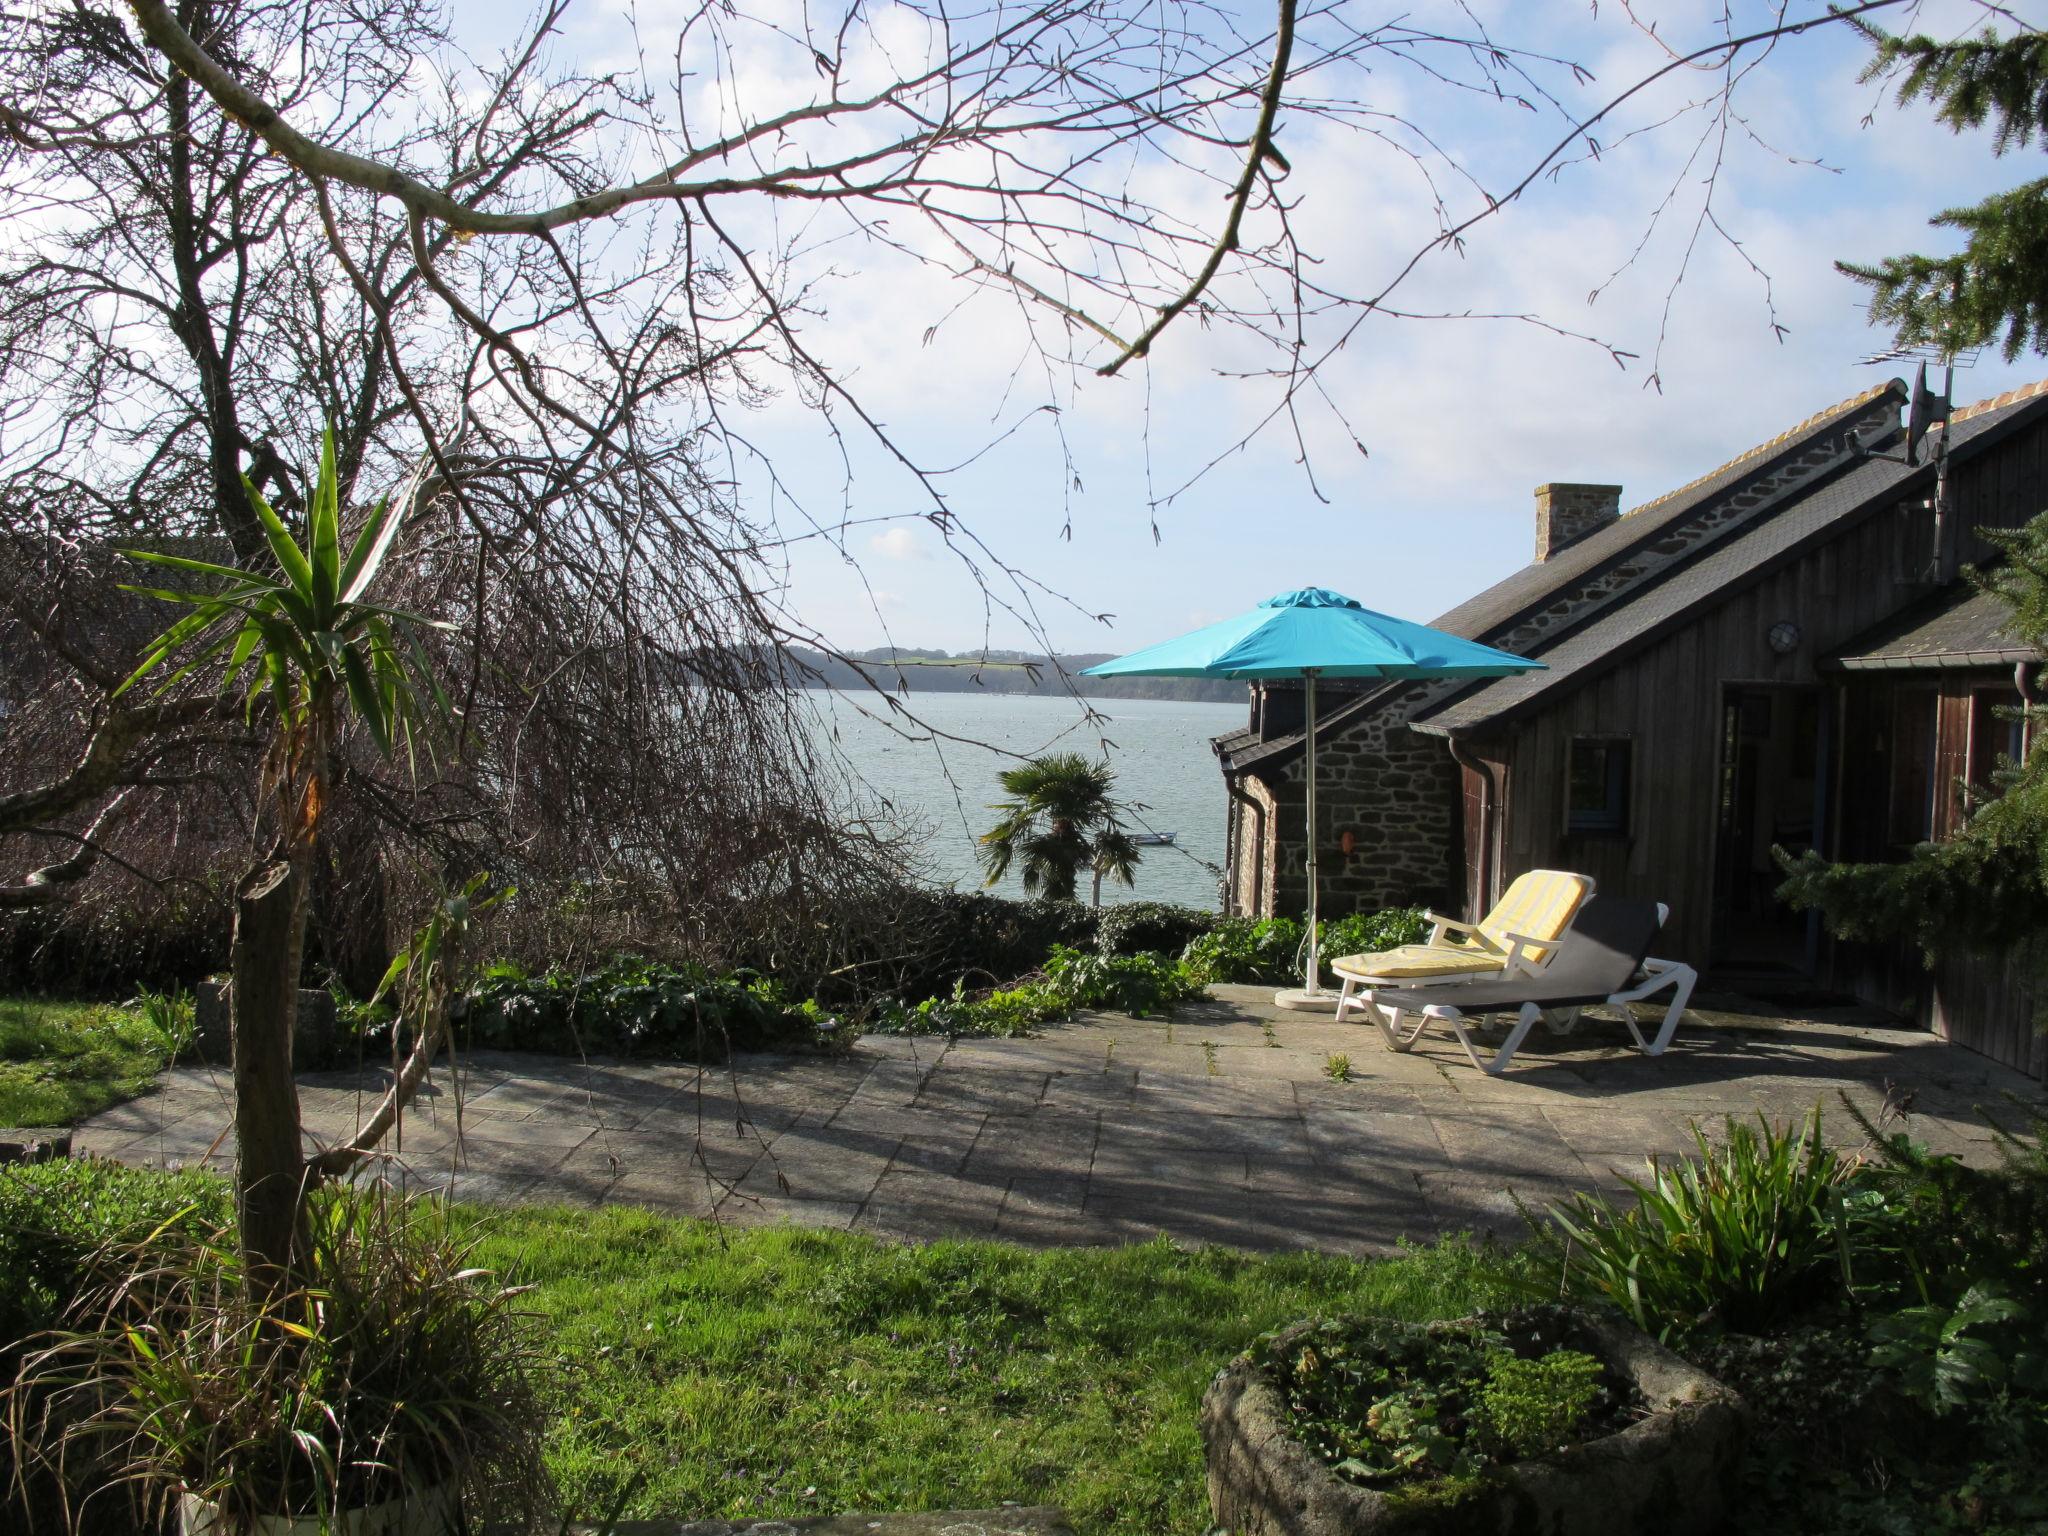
1597	777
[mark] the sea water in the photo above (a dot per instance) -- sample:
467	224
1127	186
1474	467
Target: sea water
935	775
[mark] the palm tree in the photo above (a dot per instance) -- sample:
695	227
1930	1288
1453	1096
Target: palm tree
1060	818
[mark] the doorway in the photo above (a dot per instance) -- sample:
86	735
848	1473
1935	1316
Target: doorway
1772	794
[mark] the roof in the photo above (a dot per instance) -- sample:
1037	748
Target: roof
1535	584
1749	554
1961	626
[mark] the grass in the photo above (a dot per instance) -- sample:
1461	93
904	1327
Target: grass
786	1372
61	1061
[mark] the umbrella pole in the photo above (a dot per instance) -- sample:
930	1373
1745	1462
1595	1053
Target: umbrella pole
1310	996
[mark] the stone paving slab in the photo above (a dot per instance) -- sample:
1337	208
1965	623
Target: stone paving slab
1220	1126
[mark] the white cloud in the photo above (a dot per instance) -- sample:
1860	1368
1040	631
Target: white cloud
899	544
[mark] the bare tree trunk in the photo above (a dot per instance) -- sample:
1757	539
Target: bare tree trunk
269	1169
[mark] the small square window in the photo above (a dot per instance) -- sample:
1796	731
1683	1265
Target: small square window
1598	776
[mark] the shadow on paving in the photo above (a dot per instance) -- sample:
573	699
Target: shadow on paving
1223	1125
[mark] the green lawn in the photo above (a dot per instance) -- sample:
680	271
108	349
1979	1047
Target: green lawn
60	1062
789	1372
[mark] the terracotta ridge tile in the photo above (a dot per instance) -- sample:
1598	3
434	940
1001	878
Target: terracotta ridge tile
1999	402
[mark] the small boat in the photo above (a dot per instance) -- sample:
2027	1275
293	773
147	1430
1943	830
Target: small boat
1154	839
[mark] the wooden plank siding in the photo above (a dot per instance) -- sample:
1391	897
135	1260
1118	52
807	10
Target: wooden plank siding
1666	695
1988	1003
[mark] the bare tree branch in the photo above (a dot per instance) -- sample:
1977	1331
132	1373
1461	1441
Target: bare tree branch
41	887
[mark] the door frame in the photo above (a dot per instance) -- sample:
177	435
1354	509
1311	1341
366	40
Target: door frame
1823	802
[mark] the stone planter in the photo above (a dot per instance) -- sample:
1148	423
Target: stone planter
433	1512
316	1038
1666	1475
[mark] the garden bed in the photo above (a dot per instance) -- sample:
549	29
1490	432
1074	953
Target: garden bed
1546	1419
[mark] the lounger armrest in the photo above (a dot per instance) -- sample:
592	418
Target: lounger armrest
1522	950
1442	924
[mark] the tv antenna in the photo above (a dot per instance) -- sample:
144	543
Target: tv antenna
1924	409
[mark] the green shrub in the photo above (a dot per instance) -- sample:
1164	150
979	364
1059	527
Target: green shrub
1139	927
1001	1014
929	939
1930	1227
1365	933
1268	949
1529	1406
1243	949
1741	1236
638	1007
1139	985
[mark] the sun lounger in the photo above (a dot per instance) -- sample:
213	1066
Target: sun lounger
1604	958
1516	938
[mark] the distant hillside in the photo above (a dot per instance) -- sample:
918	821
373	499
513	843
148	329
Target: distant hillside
933	671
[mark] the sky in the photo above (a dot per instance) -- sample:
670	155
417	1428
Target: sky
1460	419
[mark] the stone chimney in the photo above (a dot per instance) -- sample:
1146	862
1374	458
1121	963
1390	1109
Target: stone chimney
1565	514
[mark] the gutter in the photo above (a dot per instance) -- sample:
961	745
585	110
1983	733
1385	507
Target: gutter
1939	661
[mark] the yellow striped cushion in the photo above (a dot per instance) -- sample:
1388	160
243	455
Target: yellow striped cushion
1540	904
1420	960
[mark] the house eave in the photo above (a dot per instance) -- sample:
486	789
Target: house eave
1949	661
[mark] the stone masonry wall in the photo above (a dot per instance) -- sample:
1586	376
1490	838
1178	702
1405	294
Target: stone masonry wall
1396	791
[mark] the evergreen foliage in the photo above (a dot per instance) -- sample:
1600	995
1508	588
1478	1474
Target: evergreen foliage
1987	887
1999	280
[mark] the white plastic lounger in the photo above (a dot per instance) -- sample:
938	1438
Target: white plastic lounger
1604	958
1517	938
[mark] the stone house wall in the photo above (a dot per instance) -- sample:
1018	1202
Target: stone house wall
1396	791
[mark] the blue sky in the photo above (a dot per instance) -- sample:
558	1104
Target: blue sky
1461	419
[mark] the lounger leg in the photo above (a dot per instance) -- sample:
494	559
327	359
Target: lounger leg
1561	1021
1344	997
1530	1014
1389	1019
1679	977
1525	1022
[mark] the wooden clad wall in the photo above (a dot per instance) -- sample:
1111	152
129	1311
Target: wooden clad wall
1666	696
1988	1003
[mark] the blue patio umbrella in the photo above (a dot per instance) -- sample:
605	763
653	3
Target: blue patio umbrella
1310	634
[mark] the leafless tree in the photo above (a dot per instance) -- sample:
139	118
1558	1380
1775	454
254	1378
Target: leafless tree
567	289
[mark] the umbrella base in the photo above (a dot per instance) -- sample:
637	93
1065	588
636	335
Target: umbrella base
1306	1000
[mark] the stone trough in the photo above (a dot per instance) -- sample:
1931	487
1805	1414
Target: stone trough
1664	1475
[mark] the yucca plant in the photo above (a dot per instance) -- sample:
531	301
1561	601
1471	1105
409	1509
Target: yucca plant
307	629
1738	1235
312	647
396	1369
